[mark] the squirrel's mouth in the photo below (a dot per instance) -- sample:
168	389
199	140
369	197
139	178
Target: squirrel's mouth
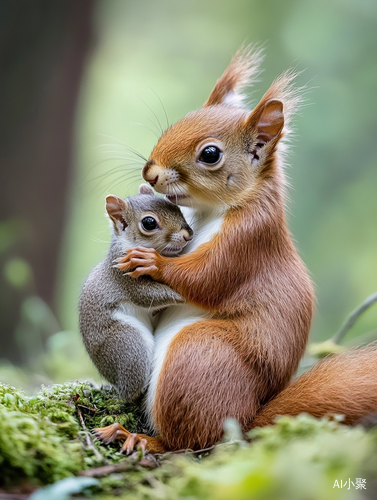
170	250
176	198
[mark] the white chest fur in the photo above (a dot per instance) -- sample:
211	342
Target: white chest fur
205	225
139	319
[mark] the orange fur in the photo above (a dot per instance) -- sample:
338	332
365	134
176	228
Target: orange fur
209	380
115	432
344	384
248	276
242	71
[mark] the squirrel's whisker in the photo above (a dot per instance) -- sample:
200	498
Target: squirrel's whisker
163	107
154	114
146	126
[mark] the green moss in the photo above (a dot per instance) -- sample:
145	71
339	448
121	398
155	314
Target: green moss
42	441
323	349
297	458
35	443
41	438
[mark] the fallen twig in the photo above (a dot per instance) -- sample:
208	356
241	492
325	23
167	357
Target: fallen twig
88	408
195	452
88	439
192	452
105	470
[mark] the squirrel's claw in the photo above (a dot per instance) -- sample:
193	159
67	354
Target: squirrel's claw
134	441
130	443
116	262
110	433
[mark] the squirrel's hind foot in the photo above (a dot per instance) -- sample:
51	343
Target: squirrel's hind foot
132	442
111	433
146	443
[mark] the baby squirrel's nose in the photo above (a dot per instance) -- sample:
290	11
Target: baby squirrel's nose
187	235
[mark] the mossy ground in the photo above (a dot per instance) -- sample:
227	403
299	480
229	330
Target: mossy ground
42	441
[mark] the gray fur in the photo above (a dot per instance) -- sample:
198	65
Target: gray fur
122	352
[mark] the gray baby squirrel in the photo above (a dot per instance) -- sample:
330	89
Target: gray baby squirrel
115	310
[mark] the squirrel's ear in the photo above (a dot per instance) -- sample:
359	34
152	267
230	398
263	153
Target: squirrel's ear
145	189
242	71
268	119
116	209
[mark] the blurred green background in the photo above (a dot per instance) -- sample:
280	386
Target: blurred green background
144	53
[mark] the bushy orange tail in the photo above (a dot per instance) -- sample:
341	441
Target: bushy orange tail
344	384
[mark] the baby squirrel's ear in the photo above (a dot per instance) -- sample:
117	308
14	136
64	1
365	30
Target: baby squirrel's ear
117	211
242	71
145	189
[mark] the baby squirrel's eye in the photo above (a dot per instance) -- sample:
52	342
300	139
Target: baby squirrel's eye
210	155
149	223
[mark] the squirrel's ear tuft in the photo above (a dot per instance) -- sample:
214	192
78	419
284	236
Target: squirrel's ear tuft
116	209
242	72
268	116
145	189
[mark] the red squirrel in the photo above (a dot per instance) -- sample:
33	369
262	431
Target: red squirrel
232	350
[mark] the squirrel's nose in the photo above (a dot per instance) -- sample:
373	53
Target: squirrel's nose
186	235
153	182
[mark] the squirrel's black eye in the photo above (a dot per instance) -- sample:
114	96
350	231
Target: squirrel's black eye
149	223
210	155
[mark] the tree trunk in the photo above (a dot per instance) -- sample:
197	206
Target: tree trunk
43	46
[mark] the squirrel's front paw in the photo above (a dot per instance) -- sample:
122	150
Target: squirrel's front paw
142	261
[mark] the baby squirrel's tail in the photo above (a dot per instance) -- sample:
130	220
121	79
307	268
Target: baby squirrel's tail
345	384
